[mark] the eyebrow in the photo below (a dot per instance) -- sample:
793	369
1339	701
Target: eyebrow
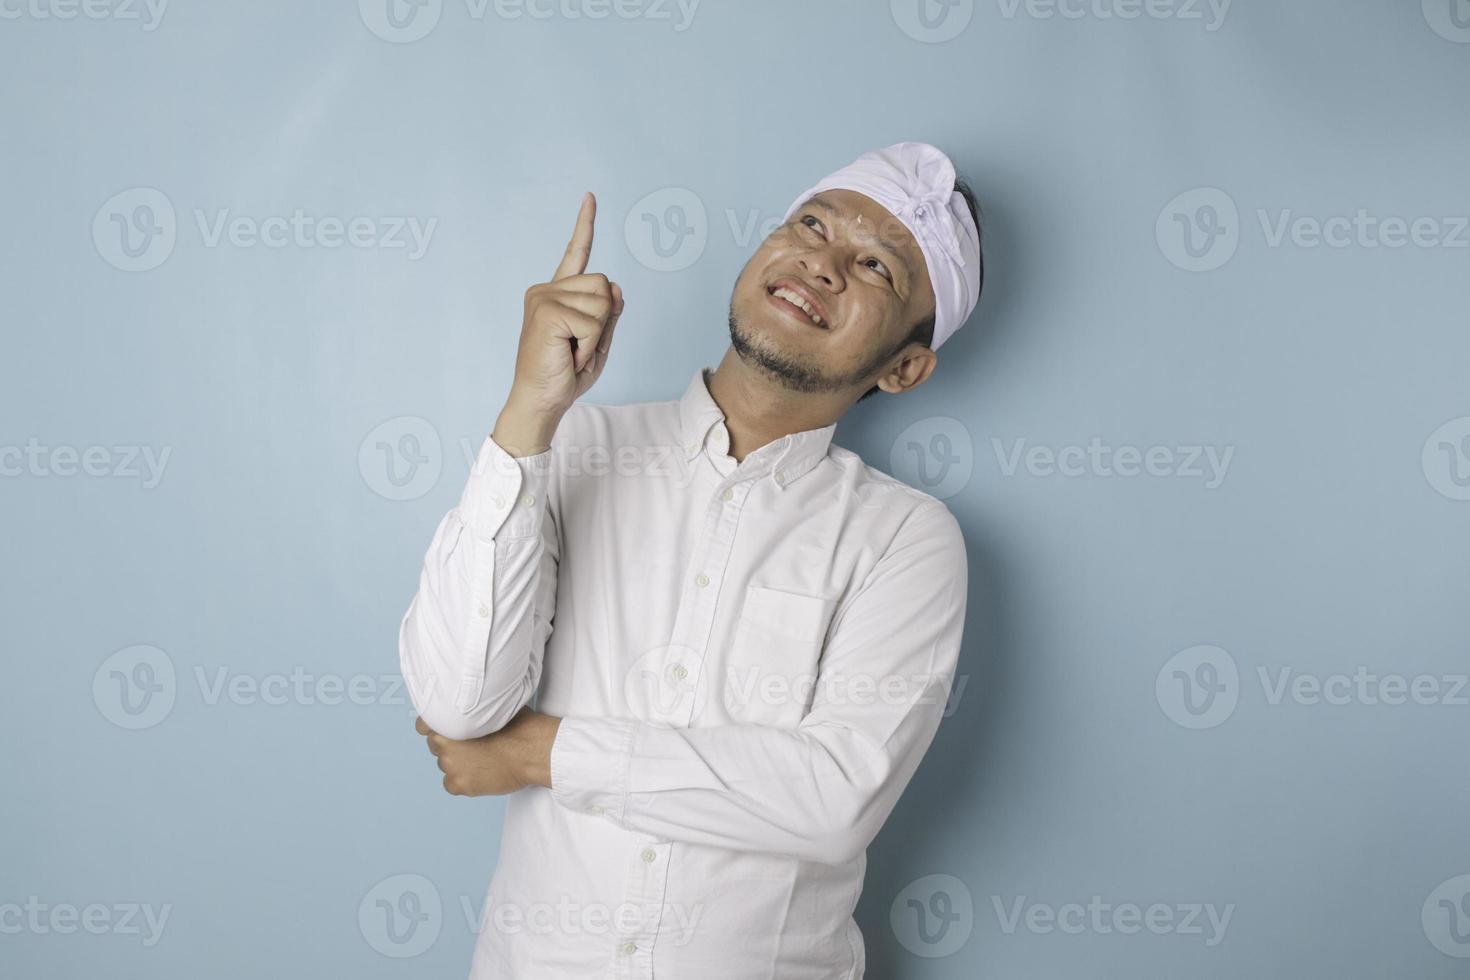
878	242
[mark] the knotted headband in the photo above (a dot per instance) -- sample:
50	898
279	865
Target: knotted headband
915	182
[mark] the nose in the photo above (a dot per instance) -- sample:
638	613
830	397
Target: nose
821	265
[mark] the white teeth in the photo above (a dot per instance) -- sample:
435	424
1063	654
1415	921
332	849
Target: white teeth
796	300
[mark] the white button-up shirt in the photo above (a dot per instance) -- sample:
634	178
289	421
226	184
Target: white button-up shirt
749	660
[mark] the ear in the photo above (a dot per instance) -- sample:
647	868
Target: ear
914	365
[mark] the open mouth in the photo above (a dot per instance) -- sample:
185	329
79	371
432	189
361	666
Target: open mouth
796	304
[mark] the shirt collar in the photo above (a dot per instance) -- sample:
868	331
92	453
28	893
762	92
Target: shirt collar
785	459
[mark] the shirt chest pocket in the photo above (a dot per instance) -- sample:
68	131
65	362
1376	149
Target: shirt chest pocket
771	672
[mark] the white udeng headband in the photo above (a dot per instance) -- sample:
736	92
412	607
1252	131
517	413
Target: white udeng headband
915	182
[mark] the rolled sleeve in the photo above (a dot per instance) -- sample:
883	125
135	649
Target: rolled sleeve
505	495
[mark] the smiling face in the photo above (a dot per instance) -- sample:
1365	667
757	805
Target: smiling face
829	298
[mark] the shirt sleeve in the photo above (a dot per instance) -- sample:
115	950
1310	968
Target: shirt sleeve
471	643
820	791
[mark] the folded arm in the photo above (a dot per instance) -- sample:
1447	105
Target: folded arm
822	790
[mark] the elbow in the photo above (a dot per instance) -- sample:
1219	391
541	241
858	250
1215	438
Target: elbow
838	839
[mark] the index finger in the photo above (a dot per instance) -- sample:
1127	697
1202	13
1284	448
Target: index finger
421	726
579	249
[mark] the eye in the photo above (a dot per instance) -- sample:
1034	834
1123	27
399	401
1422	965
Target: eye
879	267
816	224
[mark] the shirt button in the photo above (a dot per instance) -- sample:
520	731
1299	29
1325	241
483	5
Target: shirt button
498	500
701	580
728	494
649	855
680	672
629	949
528	499
594	809
780	477
483	611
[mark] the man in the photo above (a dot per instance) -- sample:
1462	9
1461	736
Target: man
741	638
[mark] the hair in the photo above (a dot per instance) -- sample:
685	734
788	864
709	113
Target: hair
923	331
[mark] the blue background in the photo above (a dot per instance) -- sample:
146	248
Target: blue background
1336	540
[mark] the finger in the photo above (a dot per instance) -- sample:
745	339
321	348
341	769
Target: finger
586	282
421	728
592	304
436	743
579	249
570	324
605	342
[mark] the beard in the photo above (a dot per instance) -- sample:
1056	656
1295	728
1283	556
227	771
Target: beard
792	372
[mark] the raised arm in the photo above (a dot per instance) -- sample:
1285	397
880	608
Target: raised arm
471	643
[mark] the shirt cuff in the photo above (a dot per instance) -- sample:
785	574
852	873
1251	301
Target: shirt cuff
589	764
506	495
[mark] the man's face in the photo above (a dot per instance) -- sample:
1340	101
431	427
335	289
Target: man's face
858	269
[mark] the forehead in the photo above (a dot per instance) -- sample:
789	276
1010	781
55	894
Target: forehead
870	223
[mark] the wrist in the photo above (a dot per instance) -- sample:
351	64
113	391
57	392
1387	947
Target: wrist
534	756
523	431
